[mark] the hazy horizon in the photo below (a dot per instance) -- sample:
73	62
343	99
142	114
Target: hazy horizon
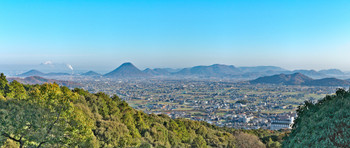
49	66
96	35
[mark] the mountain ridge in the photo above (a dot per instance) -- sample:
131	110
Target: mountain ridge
214	70
299	79
217	71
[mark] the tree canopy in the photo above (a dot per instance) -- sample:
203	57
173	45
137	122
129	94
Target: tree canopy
323	124
50	115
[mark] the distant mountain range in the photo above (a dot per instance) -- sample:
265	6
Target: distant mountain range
128	70
41	80
216	70
299	79
309	73
332	72
261	69
230	71
219	71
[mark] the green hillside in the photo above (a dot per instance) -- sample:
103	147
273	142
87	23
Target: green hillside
48	115
324	124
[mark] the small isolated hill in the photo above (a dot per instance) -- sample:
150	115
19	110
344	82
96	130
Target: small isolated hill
286	79
126	70
324	124
91	73
299	79
39	73
40	80
32	72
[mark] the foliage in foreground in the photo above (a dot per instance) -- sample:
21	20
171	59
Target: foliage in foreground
52	116
324	124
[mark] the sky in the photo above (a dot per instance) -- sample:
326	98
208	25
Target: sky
102	34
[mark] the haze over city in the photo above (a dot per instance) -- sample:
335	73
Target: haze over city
102	35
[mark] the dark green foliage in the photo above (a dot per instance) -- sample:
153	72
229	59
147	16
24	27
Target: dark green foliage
51	116
324	124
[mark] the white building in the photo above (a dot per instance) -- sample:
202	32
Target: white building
282	124
246	119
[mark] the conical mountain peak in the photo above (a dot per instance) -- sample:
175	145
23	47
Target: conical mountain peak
32	72
126	70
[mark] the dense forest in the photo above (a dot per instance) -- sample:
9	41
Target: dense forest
323	124
50	115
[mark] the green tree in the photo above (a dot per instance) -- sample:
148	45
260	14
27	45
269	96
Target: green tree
16	90
199	142
244	140
273	144
49	121
48	115
324	124
4	86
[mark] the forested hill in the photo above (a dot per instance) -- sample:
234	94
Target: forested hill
324	124
48	115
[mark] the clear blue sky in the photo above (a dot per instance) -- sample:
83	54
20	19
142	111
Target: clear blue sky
95	34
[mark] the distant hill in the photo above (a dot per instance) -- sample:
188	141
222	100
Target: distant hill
40	80
329	82
310	73
170	70
126	70
210	71
57	74
299	79
332	72
157	71
261	69
39	73
287	79
164	71
150	71
32	72
91	73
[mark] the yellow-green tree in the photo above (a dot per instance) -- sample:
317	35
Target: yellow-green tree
46	118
